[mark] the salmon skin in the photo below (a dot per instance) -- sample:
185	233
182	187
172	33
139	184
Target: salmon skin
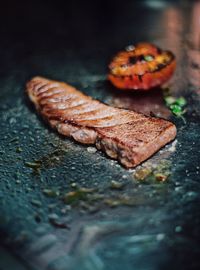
125	135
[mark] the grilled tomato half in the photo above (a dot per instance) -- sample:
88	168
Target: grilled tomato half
141	67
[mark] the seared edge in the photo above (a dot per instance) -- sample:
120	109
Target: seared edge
89	121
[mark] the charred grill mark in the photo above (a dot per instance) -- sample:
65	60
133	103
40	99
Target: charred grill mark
38	86
133	60
159	67
140	77
65	108
43	88
52	96
56	117
50	91
138	58
125	135
86	116
59	99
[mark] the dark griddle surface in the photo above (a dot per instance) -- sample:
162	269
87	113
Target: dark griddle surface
74	42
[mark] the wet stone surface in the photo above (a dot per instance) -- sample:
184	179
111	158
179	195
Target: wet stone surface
64	205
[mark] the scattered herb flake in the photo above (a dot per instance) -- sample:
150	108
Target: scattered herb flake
181	101
159	173
142	173
169	100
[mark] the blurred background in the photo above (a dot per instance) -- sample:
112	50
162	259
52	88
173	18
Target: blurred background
74	41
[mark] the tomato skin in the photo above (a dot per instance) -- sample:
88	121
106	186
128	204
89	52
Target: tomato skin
142	68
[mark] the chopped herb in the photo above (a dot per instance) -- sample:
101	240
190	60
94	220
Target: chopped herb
176	105
181	101
176	109
151	174
169	100
142	173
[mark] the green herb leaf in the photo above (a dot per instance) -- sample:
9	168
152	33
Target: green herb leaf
176	105
181	101
177	110
169	100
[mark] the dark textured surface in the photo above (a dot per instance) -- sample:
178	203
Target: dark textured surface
74	43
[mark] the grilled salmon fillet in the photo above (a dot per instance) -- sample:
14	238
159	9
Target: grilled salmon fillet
125	135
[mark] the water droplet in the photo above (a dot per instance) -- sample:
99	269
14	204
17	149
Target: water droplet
160	236
178	229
